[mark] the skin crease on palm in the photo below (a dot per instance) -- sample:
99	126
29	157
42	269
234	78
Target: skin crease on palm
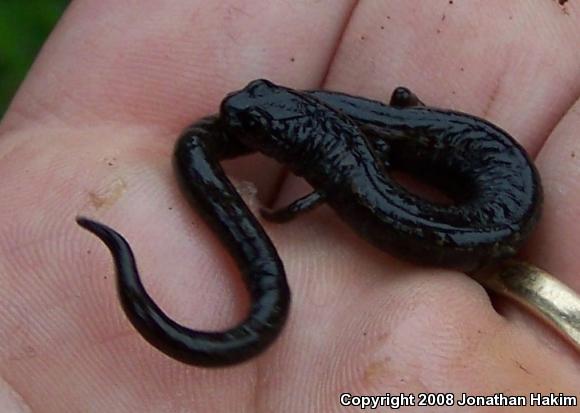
91	132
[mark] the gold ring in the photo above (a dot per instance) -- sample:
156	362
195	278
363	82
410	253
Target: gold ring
540	293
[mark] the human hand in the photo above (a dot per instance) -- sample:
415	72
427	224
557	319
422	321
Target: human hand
92	129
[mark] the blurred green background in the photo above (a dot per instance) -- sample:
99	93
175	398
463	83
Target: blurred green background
24	25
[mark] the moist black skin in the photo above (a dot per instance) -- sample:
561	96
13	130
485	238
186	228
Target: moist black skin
344	146
212	195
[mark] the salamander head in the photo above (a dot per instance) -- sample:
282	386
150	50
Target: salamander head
244	110
260	114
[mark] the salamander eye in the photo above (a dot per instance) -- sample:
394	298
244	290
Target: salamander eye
249	119
231	113
238	110
240	119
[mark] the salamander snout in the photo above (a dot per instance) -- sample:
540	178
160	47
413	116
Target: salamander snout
240	110
261	114
248	109
261	88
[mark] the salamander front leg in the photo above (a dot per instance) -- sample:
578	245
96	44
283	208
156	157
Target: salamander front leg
289	212
402	97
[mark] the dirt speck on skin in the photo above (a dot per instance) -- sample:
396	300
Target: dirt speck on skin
109	195
110	161
521	367
562	4
376	372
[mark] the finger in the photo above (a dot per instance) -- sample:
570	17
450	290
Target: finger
137	62
508	63
94	124
505	63
391	324
139	65
554	246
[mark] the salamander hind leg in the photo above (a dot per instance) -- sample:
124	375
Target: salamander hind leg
289	212
402	97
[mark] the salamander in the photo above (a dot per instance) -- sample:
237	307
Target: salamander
345	147
196	162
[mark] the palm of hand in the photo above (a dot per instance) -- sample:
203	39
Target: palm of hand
92	131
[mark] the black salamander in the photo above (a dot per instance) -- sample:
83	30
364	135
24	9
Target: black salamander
210	192
345	147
